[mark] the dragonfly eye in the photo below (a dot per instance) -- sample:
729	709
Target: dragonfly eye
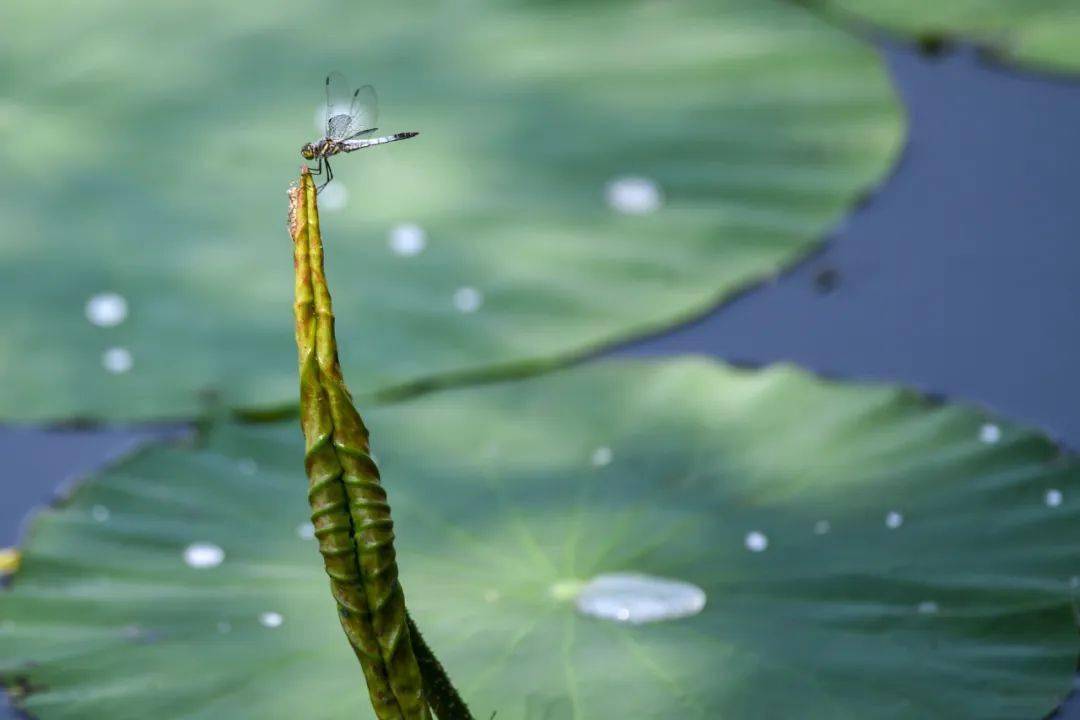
308	152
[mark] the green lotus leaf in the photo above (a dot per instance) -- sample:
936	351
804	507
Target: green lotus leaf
585	172
1039	33
863	552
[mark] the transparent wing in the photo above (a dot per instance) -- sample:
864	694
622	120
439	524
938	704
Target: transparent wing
349	112
339	127
338	102
364	111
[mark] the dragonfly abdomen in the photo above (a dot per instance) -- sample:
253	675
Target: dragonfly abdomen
352	145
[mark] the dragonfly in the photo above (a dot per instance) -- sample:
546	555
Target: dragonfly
351	123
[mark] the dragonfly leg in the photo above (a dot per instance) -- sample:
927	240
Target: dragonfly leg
329	172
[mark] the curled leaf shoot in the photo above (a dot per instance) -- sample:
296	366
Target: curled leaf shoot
326	490
349	506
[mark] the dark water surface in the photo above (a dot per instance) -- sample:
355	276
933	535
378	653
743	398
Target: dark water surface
960	276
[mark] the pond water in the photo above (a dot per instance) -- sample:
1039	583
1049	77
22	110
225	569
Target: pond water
959	275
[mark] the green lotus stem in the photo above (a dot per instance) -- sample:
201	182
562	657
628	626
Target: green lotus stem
349	505
441	693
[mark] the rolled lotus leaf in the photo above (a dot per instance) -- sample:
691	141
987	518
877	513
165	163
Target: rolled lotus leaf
348	505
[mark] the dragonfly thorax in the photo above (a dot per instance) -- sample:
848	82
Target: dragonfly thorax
321	149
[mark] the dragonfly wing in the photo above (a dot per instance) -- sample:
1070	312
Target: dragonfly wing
364	109
339	127
337	114
349	112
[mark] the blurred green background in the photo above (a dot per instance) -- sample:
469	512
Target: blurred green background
152	146
586	172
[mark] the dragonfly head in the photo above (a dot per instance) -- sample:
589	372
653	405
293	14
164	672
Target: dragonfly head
308	151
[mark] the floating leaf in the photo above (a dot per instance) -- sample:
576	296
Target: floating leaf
1041	33
863	553
585	172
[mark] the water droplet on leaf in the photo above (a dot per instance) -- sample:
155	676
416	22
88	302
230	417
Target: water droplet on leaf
106	309
468	299
602	456
633	195
989	433
756	541
117	360
203	555
635	599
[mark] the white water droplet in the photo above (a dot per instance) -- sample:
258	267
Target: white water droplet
635	599
305	531
334	196
602	456
224	628
117	360
633	195
491	595
271	619
407	239
468	299
100	513
107	309
756	541
1074	581
1053	498
247	466
822	527
928	607
203	555
989	433
893	520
